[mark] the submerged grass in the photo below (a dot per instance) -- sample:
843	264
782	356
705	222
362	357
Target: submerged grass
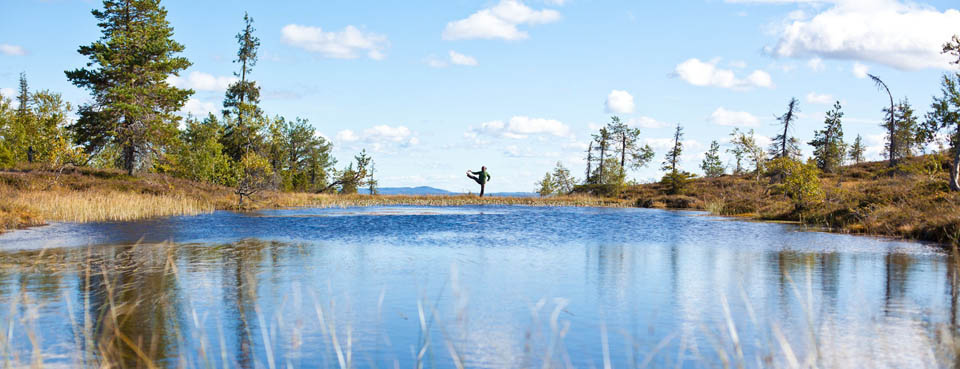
32	196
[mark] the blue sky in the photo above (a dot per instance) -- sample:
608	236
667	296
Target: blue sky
435	88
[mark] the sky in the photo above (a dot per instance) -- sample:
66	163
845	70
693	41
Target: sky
432	89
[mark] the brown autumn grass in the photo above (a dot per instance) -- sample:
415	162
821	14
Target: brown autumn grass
910	201
31	196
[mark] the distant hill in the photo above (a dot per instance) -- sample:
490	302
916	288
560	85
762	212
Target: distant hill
427	190
422	190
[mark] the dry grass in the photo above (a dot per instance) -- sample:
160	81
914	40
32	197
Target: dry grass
911	201
32	196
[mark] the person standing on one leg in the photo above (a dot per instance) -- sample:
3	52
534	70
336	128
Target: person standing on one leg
480	177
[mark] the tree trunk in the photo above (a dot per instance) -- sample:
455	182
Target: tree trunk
623	156
129	158
955	170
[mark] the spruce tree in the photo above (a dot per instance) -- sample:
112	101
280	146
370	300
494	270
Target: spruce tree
902	131
857	150
240	103
711	165
133	108
829	149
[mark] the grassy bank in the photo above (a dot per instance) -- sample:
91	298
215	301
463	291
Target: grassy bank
34	196
911	201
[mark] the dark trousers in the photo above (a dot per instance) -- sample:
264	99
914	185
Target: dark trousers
477	179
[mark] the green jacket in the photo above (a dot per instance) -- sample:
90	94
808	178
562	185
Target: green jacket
482	175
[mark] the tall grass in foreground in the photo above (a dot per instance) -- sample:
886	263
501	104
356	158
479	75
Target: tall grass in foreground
119	319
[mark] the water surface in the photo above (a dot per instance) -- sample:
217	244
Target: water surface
488	286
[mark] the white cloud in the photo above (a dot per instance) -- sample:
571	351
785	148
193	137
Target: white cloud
345	44
460	59
889	32
619	101
377	137
199	108
815	98
726	117
347	136
7	92
700	73
202	81
520	127
646	122
860	70
454	58
14	50
816	64
499	22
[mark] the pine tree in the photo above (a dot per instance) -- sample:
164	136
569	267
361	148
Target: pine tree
711	165
783	145
563	181
829	149
945	112
545	186
857	150
626	140
133	108
602	139
673	156
737	150
242	97
675	179
902	136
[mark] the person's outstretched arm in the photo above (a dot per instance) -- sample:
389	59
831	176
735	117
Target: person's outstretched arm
488	176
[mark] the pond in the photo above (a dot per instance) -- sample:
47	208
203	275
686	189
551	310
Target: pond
471	286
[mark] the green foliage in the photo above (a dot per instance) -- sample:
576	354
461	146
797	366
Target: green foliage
352	178
240	103
626	143
829	149
905	130
133	106
199	155
857	150
676	181
711	165
745	147
601	142
563	181
255	175
673	156
545	186
560	182
801	181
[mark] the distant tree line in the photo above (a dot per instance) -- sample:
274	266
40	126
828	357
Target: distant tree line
132	121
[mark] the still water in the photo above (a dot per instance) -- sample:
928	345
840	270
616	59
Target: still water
477	286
